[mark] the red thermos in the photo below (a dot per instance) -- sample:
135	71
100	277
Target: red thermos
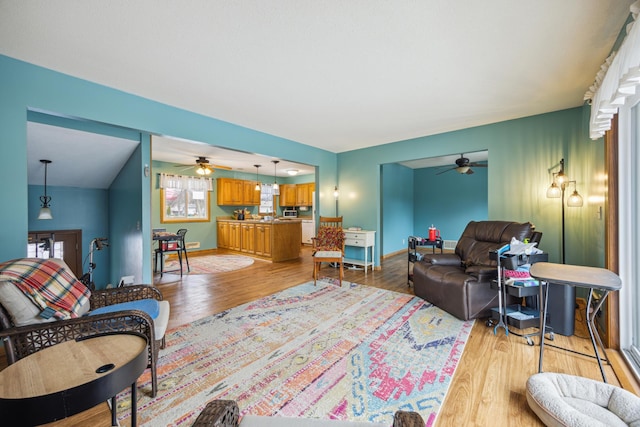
434	233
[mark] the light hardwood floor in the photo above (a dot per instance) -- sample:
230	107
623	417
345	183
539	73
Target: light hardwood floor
488	388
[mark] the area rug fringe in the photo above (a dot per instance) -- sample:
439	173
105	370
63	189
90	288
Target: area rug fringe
353	352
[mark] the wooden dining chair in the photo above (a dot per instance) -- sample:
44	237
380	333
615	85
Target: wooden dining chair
330	221
328	246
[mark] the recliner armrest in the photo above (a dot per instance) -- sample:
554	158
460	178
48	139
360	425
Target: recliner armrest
484	273
442	259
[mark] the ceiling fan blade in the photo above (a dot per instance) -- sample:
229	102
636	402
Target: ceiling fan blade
478	165
221	167
446	170
469	172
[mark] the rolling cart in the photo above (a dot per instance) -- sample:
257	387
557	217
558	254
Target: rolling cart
516	315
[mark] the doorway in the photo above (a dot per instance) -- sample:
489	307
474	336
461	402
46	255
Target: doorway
63	244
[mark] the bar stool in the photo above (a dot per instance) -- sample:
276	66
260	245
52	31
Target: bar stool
591	278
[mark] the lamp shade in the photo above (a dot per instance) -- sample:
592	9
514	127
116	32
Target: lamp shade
554	192
45	213
575	200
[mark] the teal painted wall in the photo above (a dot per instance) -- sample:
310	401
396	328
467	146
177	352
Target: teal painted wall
129	219
84	209
398	202
520	153
448	201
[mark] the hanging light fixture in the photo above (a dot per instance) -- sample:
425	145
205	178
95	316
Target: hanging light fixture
257	180
276	187
45	210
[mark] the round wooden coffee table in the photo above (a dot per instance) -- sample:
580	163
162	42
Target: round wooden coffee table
71	377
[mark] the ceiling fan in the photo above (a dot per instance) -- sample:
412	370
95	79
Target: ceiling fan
203	167
463	166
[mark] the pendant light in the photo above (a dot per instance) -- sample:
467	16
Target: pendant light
257	180
45	210
276	187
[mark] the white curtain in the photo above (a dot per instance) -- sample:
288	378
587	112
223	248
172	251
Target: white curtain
181	182
618	79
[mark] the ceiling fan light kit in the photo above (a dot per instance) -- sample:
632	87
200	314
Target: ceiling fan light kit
202	166
463	166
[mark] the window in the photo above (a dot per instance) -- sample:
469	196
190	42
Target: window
184	198
629	213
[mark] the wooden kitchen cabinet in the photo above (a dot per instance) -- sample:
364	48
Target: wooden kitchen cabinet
237	192
251	196
304	194
235	231
297	194
287	195
248	238
272	240
223	234
263	240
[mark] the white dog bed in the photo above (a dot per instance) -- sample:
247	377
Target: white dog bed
567	400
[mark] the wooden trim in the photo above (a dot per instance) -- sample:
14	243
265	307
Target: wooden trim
612	337
623	373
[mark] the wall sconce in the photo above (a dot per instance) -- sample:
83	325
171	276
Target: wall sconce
557	190
336	193
257	180
276	187
45	210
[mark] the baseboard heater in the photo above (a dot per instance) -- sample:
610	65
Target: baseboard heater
449	244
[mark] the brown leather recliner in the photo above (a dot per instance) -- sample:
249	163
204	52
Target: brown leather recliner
460	283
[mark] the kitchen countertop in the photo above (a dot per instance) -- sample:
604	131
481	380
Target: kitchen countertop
258	221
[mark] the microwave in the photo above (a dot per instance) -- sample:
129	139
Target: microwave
290	213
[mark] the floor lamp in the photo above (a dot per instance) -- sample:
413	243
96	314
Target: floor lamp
336	193
557	190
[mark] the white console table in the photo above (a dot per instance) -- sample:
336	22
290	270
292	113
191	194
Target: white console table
362	239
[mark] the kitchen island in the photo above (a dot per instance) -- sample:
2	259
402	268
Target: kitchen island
276	240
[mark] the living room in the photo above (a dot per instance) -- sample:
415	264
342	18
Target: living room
523	151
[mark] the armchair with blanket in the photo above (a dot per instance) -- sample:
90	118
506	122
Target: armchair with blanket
42	304
460	282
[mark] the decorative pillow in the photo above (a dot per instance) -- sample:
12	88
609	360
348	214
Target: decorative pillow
329	239
22	310
46	285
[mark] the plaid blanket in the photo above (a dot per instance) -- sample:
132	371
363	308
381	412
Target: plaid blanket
51	287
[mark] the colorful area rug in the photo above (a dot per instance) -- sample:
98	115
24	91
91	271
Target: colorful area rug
353	352
207	264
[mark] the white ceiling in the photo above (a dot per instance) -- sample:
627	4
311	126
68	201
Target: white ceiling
333	74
